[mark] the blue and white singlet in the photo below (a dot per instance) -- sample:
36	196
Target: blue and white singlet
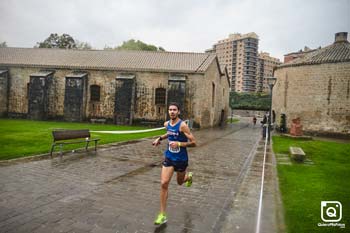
174	134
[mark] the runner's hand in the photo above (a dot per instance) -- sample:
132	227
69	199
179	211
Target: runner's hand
174	144
156	142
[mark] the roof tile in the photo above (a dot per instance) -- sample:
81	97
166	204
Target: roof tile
107	59
336	52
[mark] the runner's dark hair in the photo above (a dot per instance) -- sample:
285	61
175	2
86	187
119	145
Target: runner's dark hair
175	104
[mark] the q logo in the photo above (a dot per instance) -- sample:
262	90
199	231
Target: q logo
331	211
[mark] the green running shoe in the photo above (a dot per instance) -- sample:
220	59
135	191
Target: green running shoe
161	219
188	183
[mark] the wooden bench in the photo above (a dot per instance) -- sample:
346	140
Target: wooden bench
297	154
149	123
99	120
64	137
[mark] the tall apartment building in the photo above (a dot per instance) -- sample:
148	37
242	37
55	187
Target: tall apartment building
265	67
239	52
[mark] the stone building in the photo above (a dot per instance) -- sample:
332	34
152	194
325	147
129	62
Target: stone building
120	86
239	52
316	88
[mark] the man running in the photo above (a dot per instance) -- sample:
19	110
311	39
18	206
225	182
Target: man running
176	159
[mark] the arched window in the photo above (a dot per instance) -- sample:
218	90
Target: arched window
95	93
160	96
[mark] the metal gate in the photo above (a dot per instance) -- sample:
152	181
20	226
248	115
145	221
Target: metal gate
74	97
38	99
124	100
177	93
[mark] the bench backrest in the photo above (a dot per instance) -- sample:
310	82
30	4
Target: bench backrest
70	134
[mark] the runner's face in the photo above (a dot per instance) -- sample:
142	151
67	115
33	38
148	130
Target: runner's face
173	112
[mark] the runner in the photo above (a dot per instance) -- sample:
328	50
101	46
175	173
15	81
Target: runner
176	158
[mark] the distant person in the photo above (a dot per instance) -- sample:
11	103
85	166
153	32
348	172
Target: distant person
176	158
264	125
254	120
264	121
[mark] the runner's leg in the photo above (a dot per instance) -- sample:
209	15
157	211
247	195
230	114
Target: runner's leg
181	177
167	173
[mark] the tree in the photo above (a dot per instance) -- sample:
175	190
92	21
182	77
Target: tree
136	45
83	45
3	44
63	41
251	101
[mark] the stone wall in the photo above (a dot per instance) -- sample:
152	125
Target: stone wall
146	108
318	94
211	112
3	93
198	96
18	96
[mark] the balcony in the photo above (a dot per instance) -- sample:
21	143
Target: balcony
251	41
249	86
250	59
249	65
251	55
250	69
249	80
250	50
254	47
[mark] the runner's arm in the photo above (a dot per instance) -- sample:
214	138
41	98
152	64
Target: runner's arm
164	136
192	141
161	137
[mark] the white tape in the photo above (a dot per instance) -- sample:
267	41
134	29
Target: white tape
262	185
128	131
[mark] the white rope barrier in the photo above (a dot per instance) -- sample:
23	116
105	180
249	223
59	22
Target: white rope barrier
129	131
262	185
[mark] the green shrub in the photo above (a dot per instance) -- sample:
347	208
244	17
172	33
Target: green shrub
249	101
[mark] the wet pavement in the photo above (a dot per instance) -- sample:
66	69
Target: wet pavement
117	188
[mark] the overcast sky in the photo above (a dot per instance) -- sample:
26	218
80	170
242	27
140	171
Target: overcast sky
283	26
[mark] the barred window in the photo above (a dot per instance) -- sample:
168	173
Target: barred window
213	95
95	93
28	88
160	96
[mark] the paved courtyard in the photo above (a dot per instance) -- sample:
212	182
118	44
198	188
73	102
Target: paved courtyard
117	188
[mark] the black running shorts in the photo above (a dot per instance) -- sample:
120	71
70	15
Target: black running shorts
179	166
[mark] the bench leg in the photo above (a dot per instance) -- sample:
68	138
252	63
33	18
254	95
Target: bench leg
95	145
52	147
61	150
87	145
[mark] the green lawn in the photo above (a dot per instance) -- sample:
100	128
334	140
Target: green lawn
304	187
20	138
233	120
